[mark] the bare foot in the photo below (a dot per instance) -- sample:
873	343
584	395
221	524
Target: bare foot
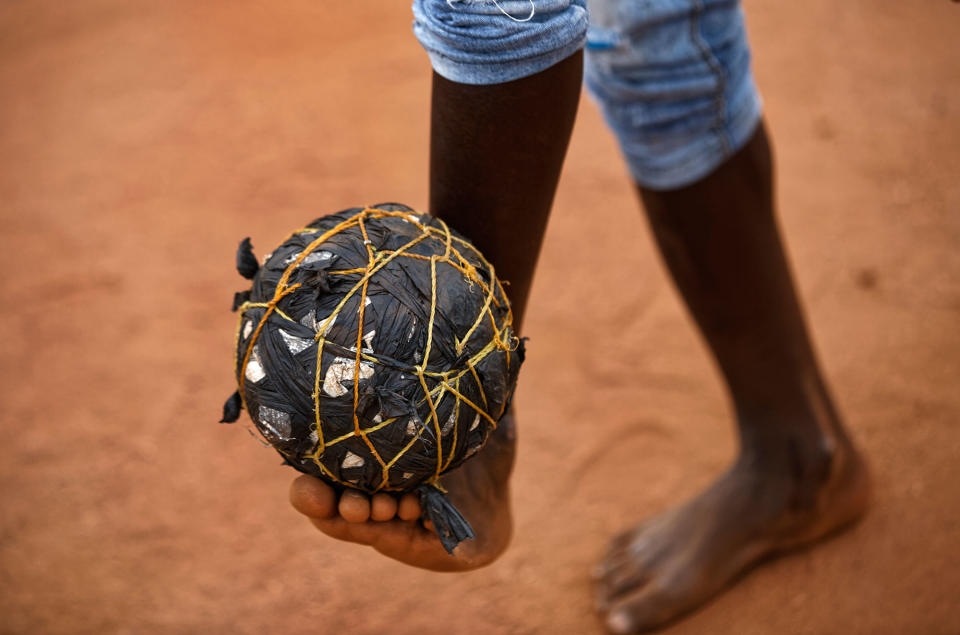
675	562
392	526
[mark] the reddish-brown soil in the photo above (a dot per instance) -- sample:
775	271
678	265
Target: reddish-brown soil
139	143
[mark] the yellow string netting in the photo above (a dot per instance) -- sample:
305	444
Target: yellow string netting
452	252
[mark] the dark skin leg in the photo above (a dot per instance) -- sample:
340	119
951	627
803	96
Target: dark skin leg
798	477
495	157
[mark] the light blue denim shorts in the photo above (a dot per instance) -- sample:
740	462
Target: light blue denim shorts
672	77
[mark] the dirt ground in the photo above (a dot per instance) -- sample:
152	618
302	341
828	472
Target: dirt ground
140	141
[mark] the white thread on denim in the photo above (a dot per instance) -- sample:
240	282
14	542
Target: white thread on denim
533	10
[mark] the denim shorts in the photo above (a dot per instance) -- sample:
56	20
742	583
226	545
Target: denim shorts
672	77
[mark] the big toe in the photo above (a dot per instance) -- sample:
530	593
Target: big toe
312	497
650	606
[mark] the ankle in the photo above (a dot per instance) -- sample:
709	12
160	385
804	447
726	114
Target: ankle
801	428
803	460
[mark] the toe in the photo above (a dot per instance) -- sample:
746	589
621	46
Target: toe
383	507
629	566
409	507
661	600
619	550
626	579
620	542
312	497
636	614
642	547
354	506
619	622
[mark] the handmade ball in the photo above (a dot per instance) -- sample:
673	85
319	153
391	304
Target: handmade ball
375	349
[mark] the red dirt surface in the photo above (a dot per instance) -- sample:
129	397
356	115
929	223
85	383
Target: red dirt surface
139	143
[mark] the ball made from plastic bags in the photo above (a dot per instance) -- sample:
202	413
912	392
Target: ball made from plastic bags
375	350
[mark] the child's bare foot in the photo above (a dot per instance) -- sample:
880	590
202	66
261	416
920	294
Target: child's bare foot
675	562
391	525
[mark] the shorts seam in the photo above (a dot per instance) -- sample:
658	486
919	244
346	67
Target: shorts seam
718	72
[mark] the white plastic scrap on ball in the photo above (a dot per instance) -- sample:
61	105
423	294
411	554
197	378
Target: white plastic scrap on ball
351	460
295	344
275	421
340	370
448	424
254	371
316	256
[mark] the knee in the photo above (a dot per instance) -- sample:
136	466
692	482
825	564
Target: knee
674	85
484	42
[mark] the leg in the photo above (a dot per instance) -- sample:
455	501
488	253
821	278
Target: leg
495	159
496	154
720	241
797	477
676	88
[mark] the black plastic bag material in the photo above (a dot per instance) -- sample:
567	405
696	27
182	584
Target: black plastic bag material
376	351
